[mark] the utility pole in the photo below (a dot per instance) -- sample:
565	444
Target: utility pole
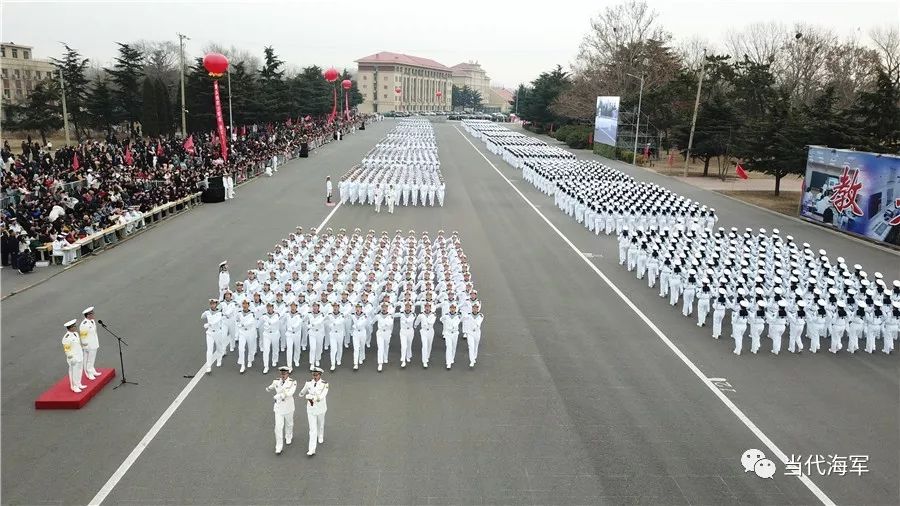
230	117
637	122
181	39
62	88
687	157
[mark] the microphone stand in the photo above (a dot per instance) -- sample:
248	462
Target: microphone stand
121	341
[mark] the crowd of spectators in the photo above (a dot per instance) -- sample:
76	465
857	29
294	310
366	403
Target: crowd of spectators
62	195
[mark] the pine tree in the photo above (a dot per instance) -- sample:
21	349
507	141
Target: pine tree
73	68
150	111
100	107
163	107
41	112
876	116
126	75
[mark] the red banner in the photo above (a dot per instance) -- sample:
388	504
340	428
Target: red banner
220	123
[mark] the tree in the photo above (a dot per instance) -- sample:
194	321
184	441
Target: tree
73	68
150	111
535	105
356	97
199	97
126	74
465	98
41	112
272	86
164	110
876	115
100	108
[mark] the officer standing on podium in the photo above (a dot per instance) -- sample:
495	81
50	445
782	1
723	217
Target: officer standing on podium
90	342
72	348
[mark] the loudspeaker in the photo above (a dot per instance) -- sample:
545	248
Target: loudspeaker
213	195
216	182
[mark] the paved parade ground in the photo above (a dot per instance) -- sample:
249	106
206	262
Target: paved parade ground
589	389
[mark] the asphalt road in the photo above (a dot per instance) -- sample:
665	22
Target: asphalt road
574	401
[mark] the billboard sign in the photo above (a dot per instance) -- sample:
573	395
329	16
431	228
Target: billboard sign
606	120
853	191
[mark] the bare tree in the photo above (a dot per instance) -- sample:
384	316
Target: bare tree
691	51
887	42
624	25
800	65
758	42
235	54
848	69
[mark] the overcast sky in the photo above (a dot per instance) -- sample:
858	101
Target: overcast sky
513	40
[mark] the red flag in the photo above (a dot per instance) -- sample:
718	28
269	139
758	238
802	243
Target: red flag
189	145
739	170
75	164
128	158
159	148
220	122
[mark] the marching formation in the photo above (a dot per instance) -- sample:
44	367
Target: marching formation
766	282
402	169
331	292
597	196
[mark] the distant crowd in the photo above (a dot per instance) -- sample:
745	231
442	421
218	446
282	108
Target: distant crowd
62	195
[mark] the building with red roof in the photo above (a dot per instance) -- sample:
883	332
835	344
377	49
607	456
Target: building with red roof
401	82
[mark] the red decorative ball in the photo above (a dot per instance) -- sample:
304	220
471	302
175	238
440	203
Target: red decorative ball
397	90
216	64
346	84
331	75
439	93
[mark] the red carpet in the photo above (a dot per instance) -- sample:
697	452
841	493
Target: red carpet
60	396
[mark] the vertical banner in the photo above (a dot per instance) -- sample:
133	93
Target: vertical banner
220	123
854	192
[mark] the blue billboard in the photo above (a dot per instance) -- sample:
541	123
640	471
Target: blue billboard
853	191
606	120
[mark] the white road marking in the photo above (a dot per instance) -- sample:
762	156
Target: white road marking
163	419
668	342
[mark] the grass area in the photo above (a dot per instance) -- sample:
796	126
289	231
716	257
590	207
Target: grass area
787	203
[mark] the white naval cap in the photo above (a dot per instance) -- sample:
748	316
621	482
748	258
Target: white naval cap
317	369
223	263
284	368
88	310
70	323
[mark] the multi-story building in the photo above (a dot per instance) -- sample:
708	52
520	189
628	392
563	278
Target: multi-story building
400	82
21	72
499	99
472	75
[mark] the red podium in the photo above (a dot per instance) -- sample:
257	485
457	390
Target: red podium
60	396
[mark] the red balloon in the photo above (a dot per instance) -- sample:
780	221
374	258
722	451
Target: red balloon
216	64
397	89
331	75
346	84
